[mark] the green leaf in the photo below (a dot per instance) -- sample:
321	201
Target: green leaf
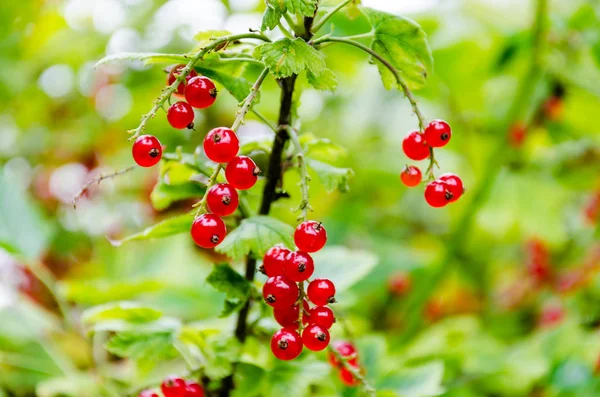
256	235
128	311
295	377
166	228
226	280
322	149
404	44
149	58
270	19
206	36
163	195
423	381
98	292
343	265
332	178
304	7
152	347
326	81
218	349
286	57
248	379
239	87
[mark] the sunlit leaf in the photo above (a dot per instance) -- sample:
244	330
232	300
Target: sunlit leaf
332	178
166	228
286	57
147	57
343	266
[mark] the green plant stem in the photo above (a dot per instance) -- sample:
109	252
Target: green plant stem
265	121
293	25
356	373
167	92
328	16
285	32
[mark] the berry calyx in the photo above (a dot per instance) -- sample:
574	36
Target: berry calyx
347	378
310	236
454	184
321	292
321	315
146	151
208	230
411	176
147	393
222	199
193	389
173	386
414	146
200	92
180	115
279	291
347	351
437	194
287	317
174	73
221	145
438	133
274	261
299	266
242	172
286	344
315	337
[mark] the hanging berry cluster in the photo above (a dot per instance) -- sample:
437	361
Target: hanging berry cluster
347	352
176	387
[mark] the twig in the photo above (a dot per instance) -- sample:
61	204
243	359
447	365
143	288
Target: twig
356	373
327	16
97	180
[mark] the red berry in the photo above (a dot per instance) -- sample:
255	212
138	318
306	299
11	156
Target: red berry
208	230
222	199
274	261
347	378
147	393
517	134
279	291
200	92
437	194
221	145
242	172
310	236
399	284
181	115
321	292
287	317
146	151
174	73
286	344
173	386
538	261
321	315
315	337
414	146
346	350
411	176
193	389
454	185
438	133
552	314
299	266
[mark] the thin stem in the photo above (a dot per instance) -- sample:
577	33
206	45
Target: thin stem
328	16
285	32
242	59
368	35
97	180
265	121
304	177
356	373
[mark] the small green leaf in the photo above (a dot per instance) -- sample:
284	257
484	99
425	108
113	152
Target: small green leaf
98	292
270	19
343	265
322	149
228	74
256	235
146	347
226	280
248	380
206	36
423	381
128	311
286	57
166	228
304	7
163	195
326	81
148	58
333	178
404	44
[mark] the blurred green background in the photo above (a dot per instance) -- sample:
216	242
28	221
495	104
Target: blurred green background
496	295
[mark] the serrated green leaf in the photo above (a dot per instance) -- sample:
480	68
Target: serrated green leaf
326	81
286	57
321	149
248	380
226	280
332	178
304	7
98	292
128	311
404	44
149	58
343	265
422	381
146	347
166	228
256	235
238	86
206	36
270	19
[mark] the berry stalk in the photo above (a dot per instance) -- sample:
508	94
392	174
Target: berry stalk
354	370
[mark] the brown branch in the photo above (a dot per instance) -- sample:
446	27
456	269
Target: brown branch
97	180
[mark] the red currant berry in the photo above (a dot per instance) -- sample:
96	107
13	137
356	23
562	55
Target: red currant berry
347	378
322	315
279	291
310	236
242	172
455	185
347	351
200	92
411	176
286	344
438	133
287	317
299	266
414	146
437	194
146	151
315	337
208	230
399	284
193	389
173	386
221	145
274	261
147	393
174	73
181	115
222	199
321	292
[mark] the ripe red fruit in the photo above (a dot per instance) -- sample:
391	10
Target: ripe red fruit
516	134
222	199
315	337
147	393
279	291
414	146
193	389
299	266
411	176
310	236
321	292
221	145
346	350
551	315
146	151
287	317
438	133
173	386
208	230
454	184
347	378
181	115
399	284
200	92
321	315
538	261
437	194
286	344
274	261
242	172
174	73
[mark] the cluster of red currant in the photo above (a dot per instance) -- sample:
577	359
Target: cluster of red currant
419	146
287	272
348	353
174	386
